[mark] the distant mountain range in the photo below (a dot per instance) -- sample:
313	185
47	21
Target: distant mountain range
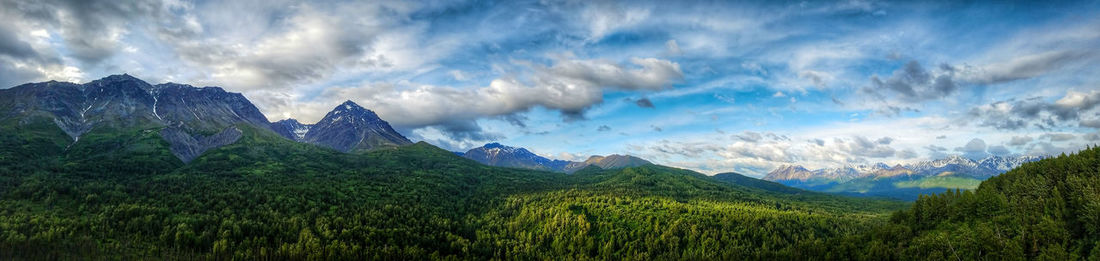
495	154
898	181
613	161
191	120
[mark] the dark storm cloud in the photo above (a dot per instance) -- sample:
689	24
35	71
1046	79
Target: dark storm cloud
644	103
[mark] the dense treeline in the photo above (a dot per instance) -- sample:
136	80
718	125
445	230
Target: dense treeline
1046	210
118	194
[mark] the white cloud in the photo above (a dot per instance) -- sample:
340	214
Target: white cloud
975	149
1036	112
459	75
1024	66
1057	137
602	18
568	86
836	145
672	49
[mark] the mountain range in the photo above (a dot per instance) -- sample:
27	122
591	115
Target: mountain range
97	171
495	154
193	120
899	181
190	119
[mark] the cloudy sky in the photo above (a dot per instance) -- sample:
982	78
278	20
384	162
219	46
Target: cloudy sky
710	86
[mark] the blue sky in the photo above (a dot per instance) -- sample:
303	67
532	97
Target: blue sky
710	86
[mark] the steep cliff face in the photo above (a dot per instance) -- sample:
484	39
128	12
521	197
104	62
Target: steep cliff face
200	119
203	110
192	120
117	101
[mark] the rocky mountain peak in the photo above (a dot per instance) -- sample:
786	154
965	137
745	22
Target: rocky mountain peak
613	161
497	147
496	154
114	78
789	172
354	114
351	127
789	168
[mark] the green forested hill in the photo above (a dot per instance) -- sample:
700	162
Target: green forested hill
1046	210
118	193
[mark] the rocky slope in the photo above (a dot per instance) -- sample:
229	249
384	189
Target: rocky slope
191	120
291	129
351	127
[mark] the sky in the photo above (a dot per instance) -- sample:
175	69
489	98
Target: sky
710	86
